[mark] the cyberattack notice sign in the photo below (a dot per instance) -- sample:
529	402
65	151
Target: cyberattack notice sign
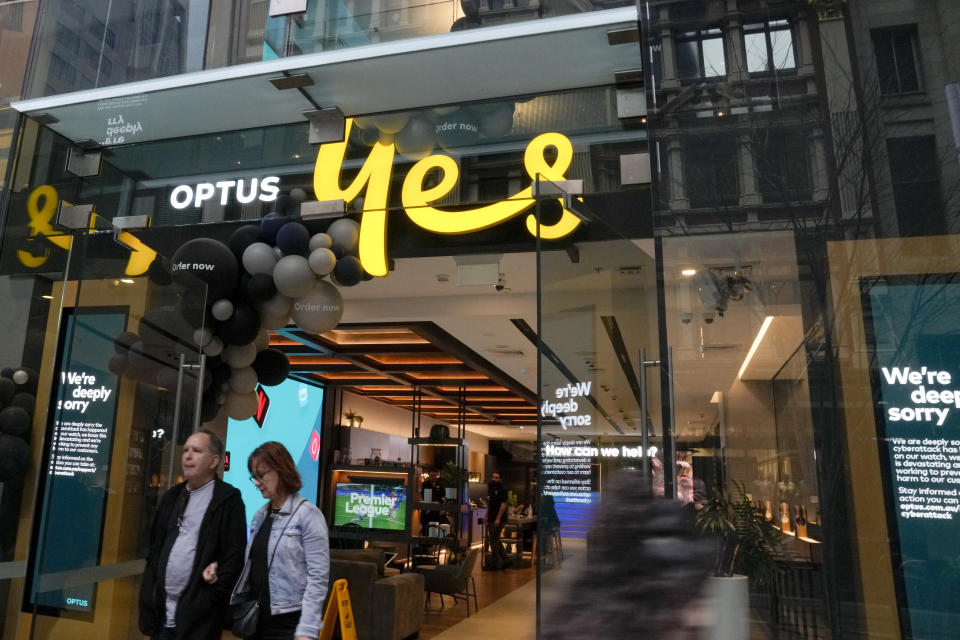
914	347
78	462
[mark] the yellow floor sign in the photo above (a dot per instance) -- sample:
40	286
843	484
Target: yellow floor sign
339	607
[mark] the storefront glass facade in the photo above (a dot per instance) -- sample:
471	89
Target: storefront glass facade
744	255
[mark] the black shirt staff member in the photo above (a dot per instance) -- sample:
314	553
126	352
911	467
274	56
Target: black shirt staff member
196	549
496	518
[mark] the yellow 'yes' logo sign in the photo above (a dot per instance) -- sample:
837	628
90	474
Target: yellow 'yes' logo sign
374	177
41	226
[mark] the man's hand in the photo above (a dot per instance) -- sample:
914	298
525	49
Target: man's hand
210	573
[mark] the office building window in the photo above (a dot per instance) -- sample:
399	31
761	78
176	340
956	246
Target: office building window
769	46
711	172
915	175
783	166
898	60
700	54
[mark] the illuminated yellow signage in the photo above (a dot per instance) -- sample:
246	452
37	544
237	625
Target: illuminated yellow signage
40	225
374	177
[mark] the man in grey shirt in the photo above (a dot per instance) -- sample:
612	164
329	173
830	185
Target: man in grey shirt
196	549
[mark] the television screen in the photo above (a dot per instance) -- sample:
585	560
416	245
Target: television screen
290	413
372	505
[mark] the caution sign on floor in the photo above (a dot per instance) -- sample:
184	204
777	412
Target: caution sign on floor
339	608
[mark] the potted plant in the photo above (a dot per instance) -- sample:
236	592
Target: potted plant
453	477
746	547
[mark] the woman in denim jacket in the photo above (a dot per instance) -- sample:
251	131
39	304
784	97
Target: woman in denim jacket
292	532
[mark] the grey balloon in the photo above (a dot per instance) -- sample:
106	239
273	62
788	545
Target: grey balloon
322	261
240	356
298	194
274	322
241	406
278	305
262	341
243	380
222	309
214	347
203	336
320	310
293	276
320	241
20	376
277	252
346	235
259	258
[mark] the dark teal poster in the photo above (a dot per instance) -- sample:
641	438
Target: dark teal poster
913	337
77	465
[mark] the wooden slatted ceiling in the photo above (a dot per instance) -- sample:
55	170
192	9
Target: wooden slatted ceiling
392	362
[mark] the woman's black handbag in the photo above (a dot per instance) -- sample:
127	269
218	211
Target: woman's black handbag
246	614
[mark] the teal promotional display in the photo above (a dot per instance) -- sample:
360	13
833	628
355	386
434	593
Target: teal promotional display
914	343
77	463
291	414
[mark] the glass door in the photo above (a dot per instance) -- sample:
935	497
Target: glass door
124	380
601	408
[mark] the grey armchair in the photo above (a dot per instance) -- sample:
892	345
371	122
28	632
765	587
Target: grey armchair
454	580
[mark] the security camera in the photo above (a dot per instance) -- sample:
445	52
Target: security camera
708	317
686	317
501	285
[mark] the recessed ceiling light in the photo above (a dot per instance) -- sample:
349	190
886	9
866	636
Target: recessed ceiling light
127	280
688	272
47	297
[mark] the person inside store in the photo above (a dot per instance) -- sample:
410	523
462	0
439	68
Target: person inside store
496	518
196	549
288	557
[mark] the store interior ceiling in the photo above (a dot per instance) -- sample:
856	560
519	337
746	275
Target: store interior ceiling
478	330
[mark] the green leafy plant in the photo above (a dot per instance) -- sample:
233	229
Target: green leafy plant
452	474
745	543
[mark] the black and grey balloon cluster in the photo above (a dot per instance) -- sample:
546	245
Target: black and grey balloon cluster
266	275
18	399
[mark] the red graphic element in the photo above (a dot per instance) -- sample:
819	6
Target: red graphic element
263	403
315	446
226	461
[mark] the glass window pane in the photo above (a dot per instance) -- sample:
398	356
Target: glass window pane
714	64
756	48
687	60
906	61
886	67
781	41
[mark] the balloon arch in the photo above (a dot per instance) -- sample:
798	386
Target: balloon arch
265	276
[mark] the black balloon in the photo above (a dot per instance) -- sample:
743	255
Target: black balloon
294	239
24	400
348	271
270	225
209	407
241	327
159	273
261	288
243	238
194	311
7	391
14	456
15	421
221	373
7	372
209	261
242	294
121	344
272	367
